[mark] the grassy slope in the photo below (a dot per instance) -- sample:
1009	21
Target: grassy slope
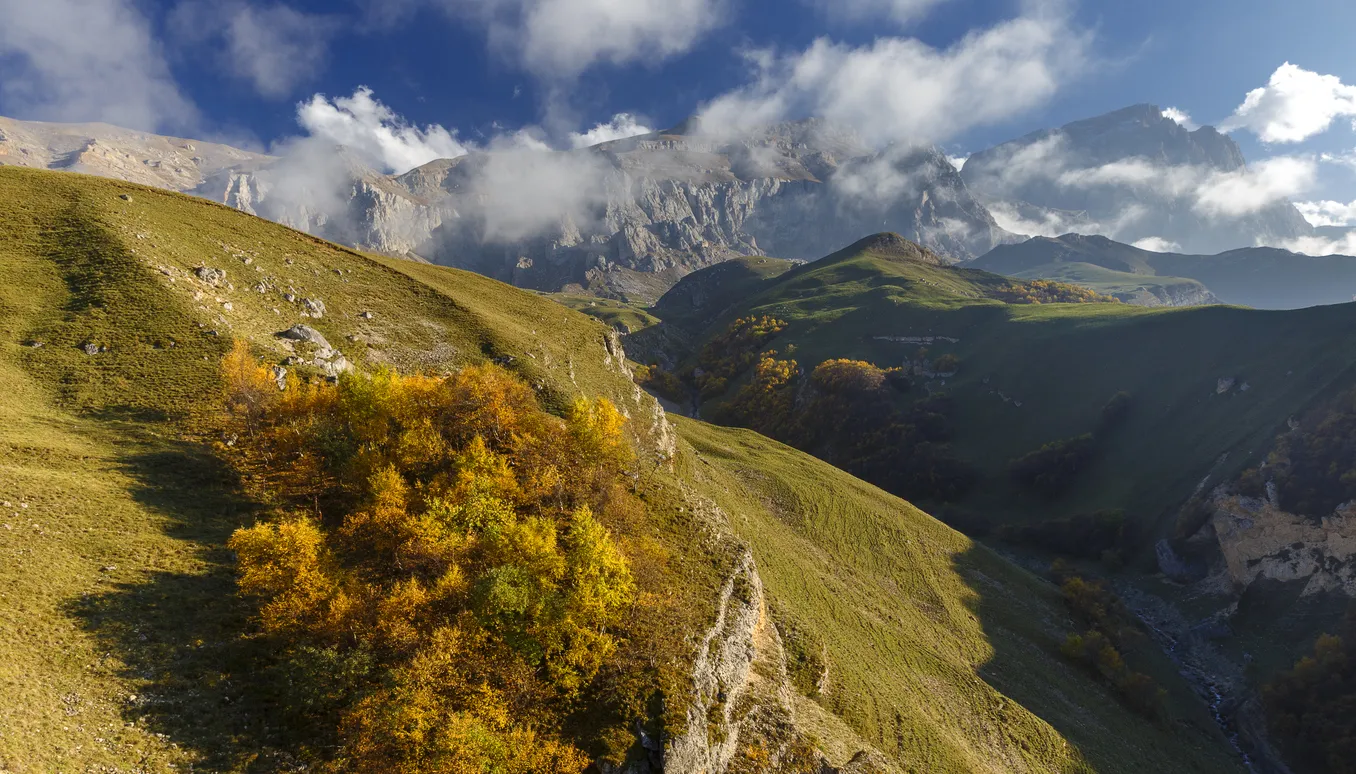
114	582
1062	362
939	652
114	579
1123	285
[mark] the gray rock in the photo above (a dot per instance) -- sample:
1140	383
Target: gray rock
280	377
209	275
315	306
304	333
126	197
289	298
366	315
90	348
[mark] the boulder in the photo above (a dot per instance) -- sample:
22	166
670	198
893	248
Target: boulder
304	333
209	275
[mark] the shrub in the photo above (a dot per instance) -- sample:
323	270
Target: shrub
1114	412
1052	469
1086	535
448	594
1311	708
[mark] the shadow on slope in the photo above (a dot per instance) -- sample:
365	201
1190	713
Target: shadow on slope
177	634
939	652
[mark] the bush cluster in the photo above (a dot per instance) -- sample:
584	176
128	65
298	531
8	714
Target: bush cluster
1312	708
1108	628
1049	292
440	578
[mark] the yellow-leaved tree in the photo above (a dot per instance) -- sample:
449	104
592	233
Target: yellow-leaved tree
438	567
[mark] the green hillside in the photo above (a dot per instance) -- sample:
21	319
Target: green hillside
124	646
1210	386
1260	277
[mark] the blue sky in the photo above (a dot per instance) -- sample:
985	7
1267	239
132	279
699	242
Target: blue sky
238	69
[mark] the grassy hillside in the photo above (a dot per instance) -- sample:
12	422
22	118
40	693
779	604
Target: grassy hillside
938	651
122	646
1260	277
1210	385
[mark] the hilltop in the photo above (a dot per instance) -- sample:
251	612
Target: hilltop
127	646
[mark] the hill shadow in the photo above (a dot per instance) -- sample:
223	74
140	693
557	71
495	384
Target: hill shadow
1025	621
178	634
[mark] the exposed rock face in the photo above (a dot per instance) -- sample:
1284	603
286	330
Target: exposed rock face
628	217
110	151
671	202
1131	174
720	677
1259	540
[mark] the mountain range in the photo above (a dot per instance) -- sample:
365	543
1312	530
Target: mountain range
630	217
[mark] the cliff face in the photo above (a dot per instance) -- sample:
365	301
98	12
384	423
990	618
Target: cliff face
1261	541
625	218
668	203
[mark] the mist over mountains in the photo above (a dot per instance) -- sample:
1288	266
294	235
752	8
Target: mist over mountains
628	217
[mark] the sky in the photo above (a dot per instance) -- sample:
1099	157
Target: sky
411	80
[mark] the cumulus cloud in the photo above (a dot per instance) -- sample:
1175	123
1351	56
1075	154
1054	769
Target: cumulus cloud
519	193
1317	245
1180	117
1211	192
368	127
87	60
1328	213
1231	194
899	11
1158	245
621	126
557	39
957	161
275	47
903	89
1296	104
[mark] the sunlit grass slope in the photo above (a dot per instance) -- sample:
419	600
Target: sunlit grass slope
119	643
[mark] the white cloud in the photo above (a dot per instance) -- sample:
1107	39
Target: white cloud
1231	194
559	39
515	194
1181	117
371	129
87	60
903	89
899	11
1328	213
1158	245
1296	104
1315	245
621	126
275	47
958	161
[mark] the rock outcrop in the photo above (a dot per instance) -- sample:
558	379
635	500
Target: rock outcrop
1261	541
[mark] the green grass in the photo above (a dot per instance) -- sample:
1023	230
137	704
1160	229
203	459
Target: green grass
1131	288
1062	362
114	581
627	318
940	652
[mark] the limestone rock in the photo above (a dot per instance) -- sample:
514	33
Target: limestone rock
304	333
213	277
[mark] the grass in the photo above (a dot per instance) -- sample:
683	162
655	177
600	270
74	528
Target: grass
114	581
940	653
627	318
1131	288
1030	374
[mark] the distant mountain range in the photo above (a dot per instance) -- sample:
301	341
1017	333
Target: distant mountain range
629	218
1131	175
1260	277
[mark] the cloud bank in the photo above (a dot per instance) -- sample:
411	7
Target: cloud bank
559	39
87	60
1328	213
275	48
1296	104
901	89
